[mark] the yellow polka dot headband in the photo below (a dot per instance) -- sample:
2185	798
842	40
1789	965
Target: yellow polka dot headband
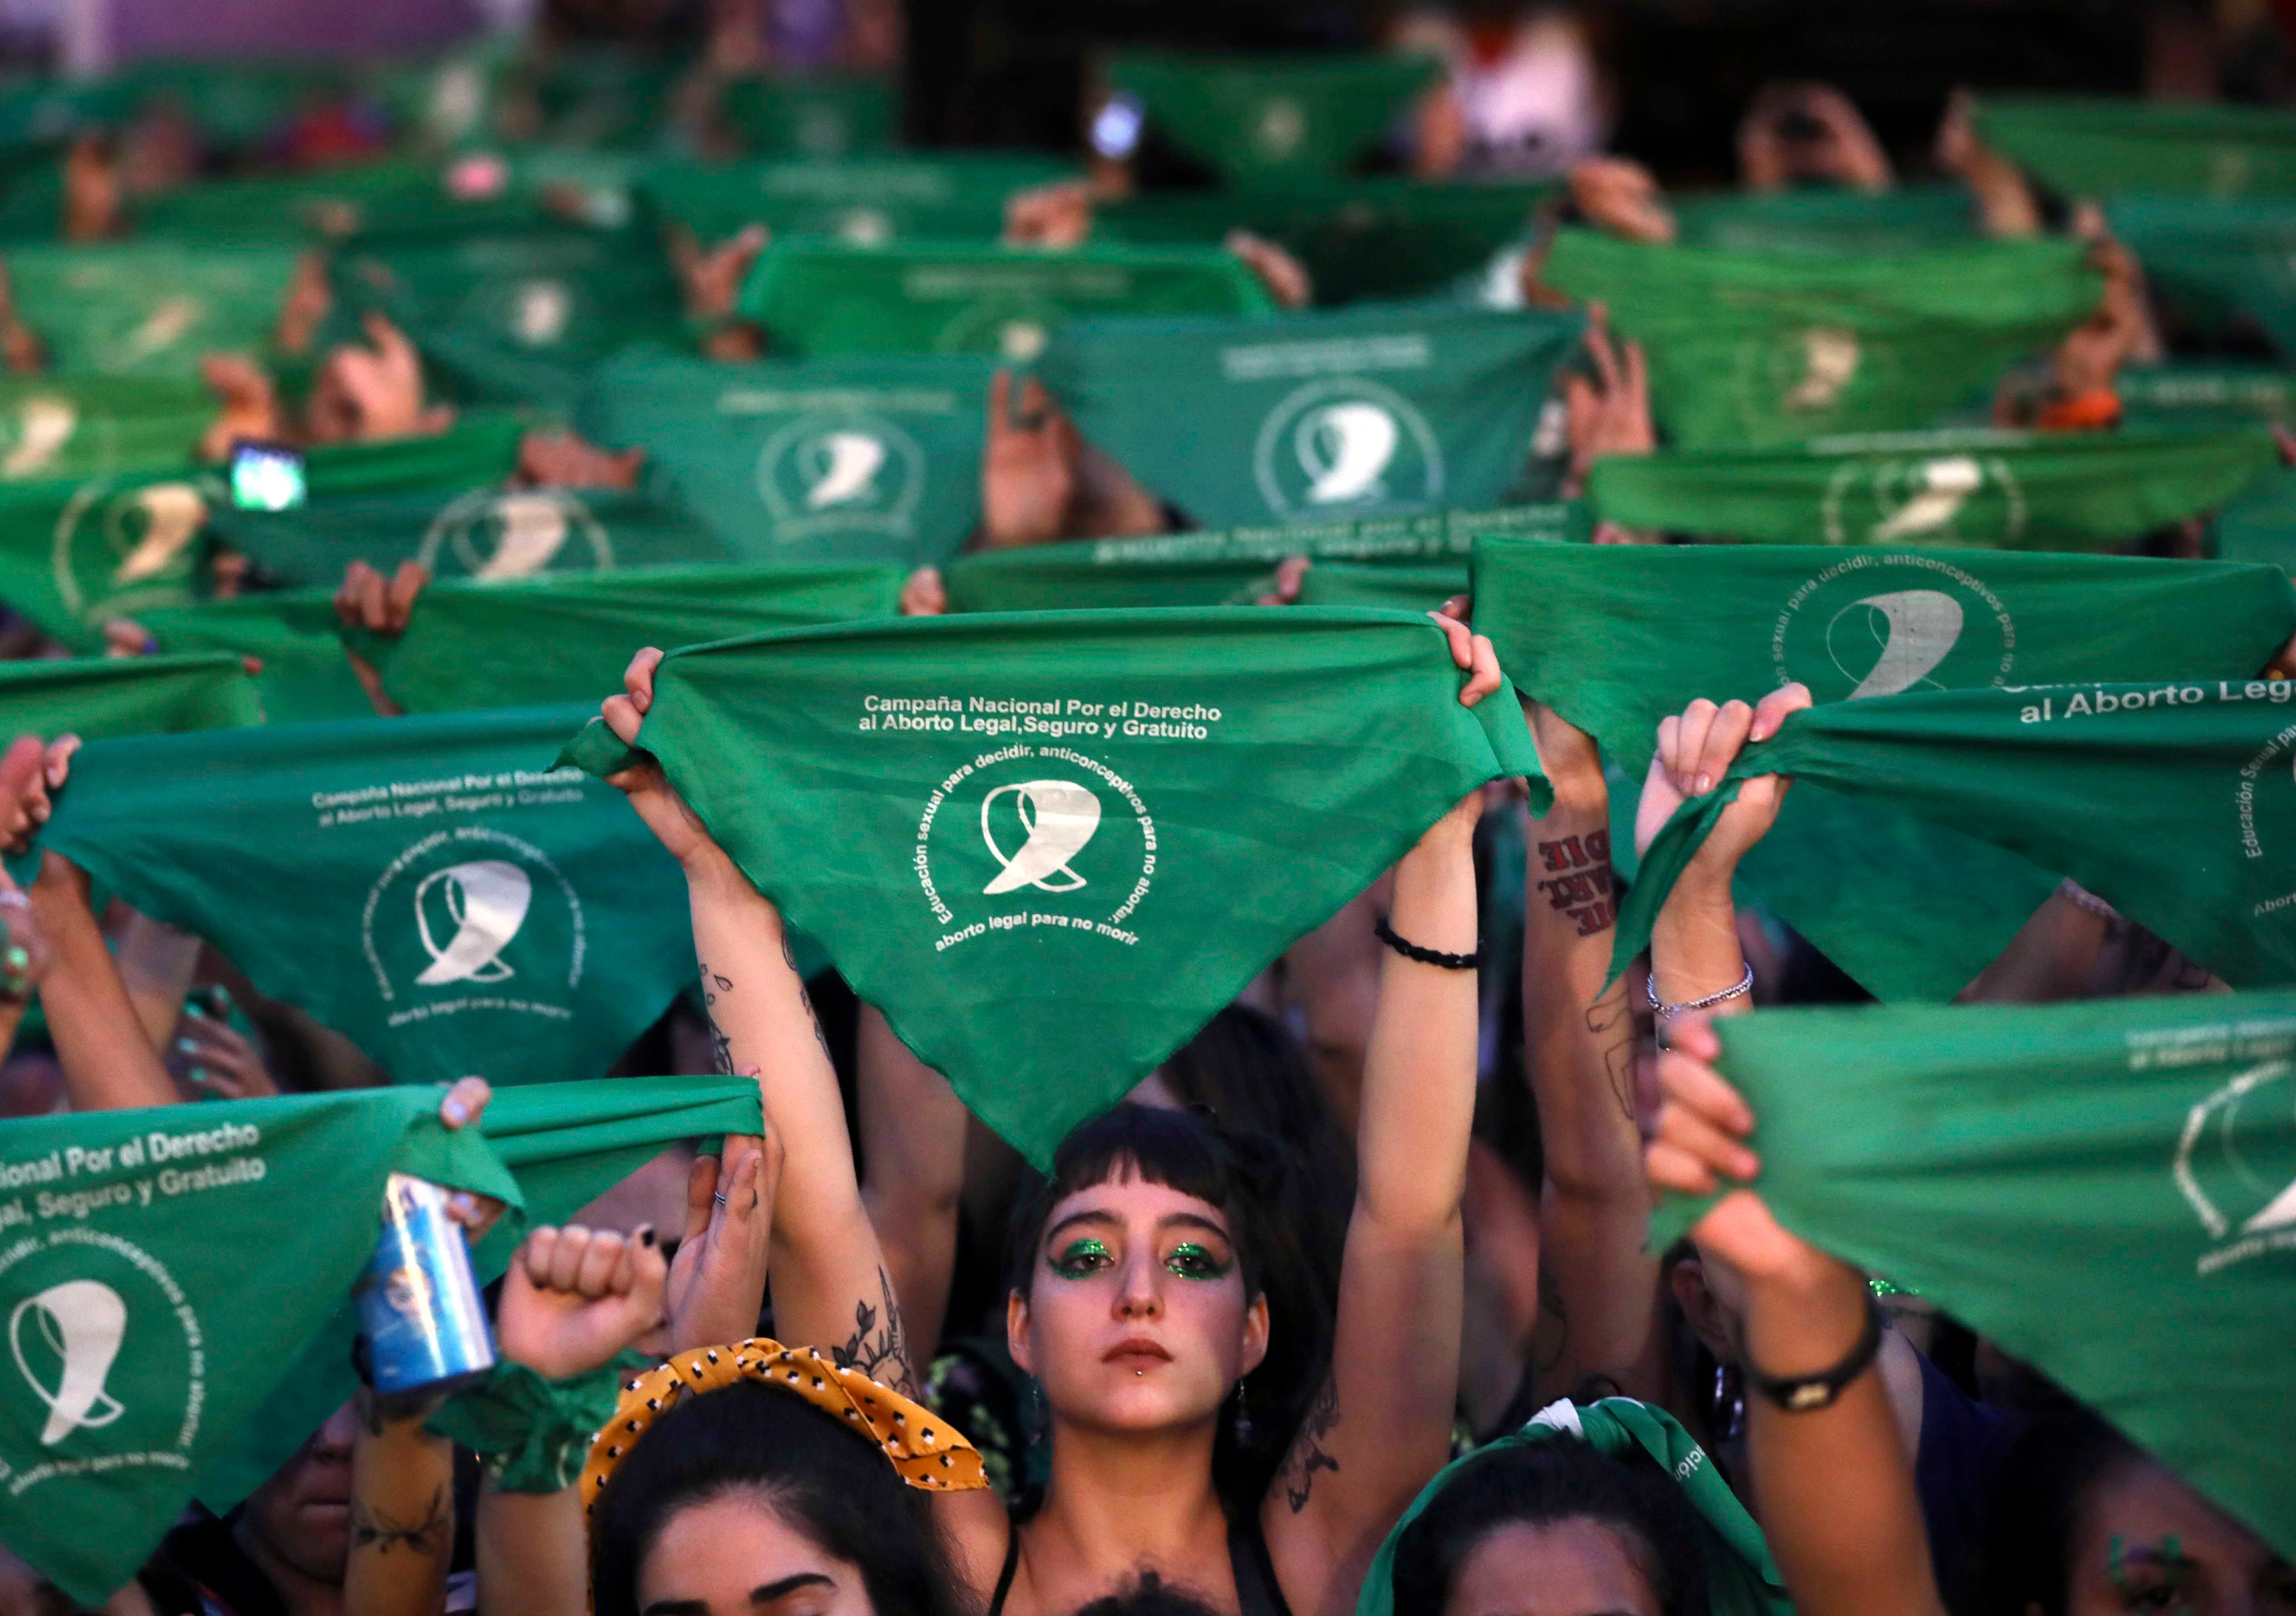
925	1449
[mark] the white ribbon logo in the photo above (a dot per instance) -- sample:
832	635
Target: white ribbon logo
841	468
1344	447
1945	487
82	1321
1829	360
1059	816
488	900
44	423
1911	631
539	311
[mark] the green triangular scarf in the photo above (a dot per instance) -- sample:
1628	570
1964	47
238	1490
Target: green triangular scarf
1270	119
2217	264
98	697
880	781
295	637
148	308
1826	219
431	888
98	426
2051	1176
2009	490
75	553
1615	638
2171	800
1317	417
1755	349
2097	147
947	196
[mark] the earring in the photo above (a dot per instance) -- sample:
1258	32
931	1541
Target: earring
1243	1418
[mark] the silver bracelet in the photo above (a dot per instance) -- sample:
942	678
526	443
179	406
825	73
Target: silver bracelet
1666	1013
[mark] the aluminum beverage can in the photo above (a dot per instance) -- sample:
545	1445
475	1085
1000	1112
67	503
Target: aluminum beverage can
419	1305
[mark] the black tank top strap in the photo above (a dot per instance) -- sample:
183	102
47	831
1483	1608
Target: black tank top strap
1005	1577
1256	1591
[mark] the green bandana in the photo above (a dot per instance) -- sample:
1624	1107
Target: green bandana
148	308
1233	568
1381	238
2103	1188
1750	350
564	1144
293	634
2122	148
100	696
75	554
2005	490
2204	395
479	190
1050	846
98	426
2167	799
1827	219
431	888
160	1269
1742	1579
1602	634
568	639
1264	120
954	196
1423	588
840	460
820	300
2260	525
1309	417
515	317
2217	266
813	115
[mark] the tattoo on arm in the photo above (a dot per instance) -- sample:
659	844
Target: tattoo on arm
432	1534
1610	1023
878	1347
721	1048
1580	867
1308	1455
789	957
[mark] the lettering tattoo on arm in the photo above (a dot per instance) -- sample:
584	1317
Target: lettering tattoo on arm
1308	1455
878	1347
432	1534
1610	1023
1580	887
789	957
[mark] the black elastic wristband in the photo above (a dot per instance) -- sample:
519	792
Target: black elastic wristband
1808	1393
1425	956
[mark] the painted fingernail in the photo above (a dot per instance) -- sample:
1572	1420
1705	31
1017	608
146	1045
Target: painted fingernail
1705	784
187	1046
456	1113
199	1075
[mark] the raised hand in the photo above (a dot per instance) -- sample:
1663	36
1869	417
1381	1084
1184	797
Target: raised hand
1570	758
1057	214
364	394
575	1296
565	460
462	1104
1609	414
1028	467
1473	653
658	803
367	600
247	403
1695	749
925	594
1620	197
716	1286
32	771
1285	277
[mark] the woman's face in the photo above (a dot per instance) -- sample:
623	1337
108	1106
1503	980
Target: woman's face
1137	1319
1560	1568
738	1556
2147	1542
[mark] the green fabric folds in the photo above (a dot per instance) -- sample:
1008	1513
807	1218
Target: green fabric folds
1749	349
1050	846
301	673
814	115
1310	417
1615	637
952	196
1827	219
875	459
1264	121
2191	394
822	299
2004	490
431	888
1231	568
2051	1175
2217	268
97	697
2096	148
533	1435
1742	1579
98	426
568	639
75	553
165	1266
2169	801
148	308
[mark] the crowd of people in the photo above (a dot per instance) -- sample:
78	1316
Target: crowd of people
1419	1228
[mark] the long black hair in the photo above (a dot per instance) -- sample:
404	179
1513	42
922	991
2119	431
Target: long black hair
1251	1178
1545	1484
2033	1509
748	1439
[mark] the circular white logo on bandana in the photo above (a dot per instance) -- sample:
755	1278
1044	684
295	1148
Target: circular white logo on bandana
1347	447
1015	326
1876	624
840	472
492	535
1042	839
534	311
106	1360
1278	129
1947	498
2233	1168
37	430
2264	794
117	549
473	919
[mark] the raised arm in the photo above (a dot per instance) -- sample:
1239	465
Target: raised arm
1599	1289
1835	1483
108	1063
831	1287
913	1140
1382	1426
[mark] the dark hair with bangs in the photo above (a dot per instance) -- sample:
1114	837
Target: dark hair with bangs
1254	1181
